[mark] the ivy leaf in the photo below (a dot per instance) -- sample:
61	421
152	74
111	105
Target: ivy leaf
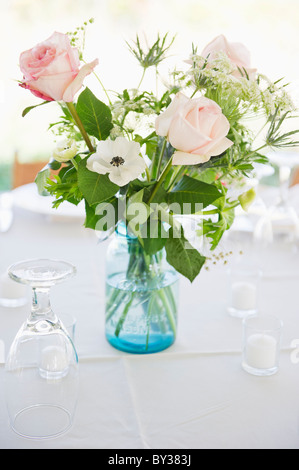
194	192
154	236
94	114
94	216
41	181
215	230
94	187
182	256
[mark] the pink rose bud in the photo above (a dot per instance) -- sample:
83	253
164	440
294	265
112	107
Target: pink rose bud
196	128
235	51
52	69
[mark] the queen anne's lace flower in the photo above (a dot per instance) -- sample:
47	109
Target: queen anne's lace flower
260	94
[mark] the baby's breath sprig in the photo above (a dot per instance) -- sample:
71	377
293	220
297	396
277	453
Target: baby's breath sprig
78	37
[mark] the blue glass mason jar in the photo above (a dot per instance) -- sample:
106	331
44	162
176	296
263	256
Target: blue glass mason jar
141	297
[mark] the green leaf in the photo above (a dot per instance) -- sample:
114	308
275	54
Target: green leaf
94	187
194	192
54	165
94	216
96	117
27	110
207	176
137	212
160	196
215	230
136	197
154	236
41	181
182	256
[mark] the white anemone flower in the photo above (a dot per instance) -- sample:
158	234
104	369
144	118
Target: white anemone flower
119	158
66	150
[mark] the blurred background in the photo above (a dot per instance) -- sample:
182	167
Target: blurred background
269	28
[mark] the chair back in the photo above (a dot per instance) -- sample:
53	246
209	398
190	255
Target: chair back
25	173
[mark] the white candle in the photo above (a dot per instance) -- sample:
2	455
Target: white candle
10	289
244	296
54	362
261	351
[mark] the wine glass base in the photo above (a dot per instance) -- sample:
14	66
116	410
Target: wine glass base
42	421
41	273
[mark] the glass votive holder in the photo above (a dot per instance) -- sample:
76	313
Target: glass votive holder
243	291
261	344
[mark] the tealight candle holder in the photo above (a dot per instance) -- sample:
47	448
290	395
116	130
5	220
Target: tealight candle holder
243	292
261	344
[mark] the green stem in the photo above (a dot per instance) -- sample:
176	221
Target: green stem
156	159
148	176
143	74
179	171
260	131
194	93
74	163
216	211
148	137
101	83
246	156
257	150
169	314
104	89
79	123
161	157
124	316
164	173
149	314
113	302
211	212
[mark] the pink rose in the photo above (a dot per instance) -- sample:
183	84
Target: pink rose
196	128
52	69
235	51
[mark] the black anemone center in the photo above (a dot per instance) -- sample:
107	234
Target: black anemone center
117	161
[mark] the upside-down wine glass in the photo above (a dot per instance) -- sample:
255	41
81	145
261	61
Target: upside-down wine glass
283	216
41	376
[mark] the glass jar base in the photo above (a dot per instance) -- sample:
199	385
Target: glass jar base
42	421
259	372
137	344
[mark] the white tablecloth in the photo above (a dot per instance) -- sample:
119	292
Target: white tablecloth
195	394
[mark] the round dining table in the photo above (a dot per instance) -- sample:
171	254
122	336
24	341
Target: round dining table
193	395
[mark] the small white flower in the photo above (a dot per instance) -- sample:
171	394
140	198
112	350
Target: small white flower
119	158
66	150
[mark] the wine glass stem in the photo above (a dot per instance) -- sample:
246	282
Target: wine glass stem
284	180
41	306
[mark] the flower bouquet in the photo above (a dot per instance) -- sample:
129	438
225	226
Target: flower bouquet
143	160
